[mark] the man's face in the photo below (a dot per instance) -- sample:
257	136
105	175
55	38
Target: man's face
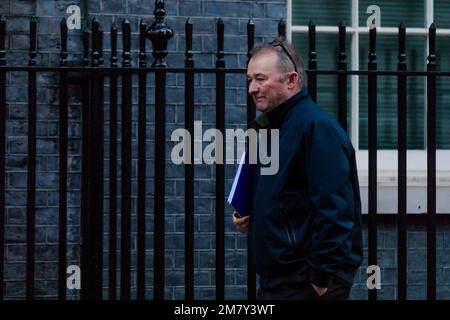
265	84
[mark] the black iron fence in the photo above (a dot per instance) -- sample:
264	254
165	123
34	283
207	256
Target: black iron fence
94	71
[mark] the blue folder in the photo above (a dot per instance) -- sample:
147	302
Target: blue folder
239	197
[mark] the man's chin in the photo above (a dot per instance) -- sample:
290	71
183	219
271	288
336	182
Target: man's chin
262	107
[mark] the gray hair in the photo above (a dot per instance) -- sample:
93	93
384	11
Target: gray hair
285	62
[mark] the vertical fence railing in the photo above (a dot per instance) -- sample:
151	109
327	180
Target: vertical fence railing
431	166
312	64
251	114
94	165
63	124
85	98
189	95
100	173
31	165
342	79
2	151
159	33
402	173
220	168
373	149
142	138
125	256
113	166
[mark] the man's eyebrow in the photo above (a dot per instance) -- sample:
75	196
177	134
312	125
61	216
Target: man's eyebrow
256	75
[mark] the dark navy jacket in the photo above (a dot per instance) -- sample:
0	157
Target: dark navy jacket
306	219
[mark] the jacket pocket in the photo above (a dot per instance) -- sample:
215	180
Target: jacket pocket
288	228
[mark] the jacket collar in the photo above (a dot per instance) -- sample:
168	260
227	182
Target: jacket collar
276	116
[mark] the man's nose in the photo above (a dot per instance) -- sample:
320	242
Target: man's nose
252	88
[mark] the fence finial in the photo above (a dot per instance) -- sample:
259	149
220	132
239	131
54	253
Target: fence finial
33	43
312	64
159	33
189	62
432	44
342	55
372	46
95	54
282	28
114	59
85	47
2	40
250	38
142	54
63	53
401	47
126	43
220	62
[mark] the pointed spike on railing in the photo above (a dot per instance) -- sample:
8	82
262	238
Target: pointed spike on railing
312	36
100	46
401	47
113	59
86	47
142	36
63	30
188	34
342	54
33	42
432	38
250	37
401	38
2	26
282	29
142	32
342	34
220	34
95	54
2	40
432	47
189	62
220	62
95	24
342	31
126	39
372	40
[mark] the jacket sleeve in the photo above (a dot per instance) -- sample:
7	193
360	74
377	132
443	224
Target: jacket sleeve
332	200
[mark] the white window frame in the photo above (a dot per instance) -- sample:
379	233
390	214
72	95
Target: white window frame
387	159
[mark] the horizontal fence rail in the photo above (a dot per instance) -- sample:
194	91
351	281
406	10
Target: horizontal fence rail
119	74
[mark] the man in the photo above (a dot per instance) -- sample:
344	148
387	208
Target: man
305	221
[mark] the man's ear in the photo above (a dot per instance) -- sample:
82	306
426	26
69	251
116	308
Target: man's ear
293	79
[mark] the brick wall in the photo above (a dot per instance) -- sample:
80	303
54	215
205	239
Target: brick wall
204	15
49	14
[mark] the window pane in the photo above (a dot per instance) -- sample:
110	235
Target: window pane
327	47
411	12
321	12
443	94
387	51
442	13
